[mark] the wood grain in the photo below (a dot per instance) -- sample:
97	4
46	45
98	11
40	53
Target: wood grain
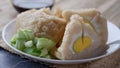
109	8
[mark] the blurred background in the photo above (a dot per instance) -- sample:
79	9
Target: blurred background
109	8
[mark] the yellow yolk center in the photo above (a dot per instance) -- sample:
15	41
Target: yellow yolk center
82	43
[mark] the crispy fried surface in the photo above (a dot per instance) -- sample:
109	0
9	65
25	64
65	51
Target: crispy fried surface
42	23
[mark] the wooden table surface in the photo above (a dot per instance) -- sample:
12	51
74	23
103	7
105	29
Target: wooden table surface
109	8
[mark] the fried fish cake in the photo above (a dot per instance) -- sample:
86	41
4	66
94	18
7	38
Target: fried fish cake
79	40
95	19
42	23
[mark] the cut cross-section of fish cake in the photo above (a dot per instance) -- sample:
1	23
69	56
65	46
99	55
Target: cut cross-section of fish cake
94	17
79	40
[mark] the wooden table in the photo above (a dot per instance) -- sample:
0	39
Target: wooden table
109	8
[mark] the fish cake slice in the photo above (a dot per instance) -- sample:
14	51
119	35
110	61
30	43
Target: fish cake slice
79	40
42	23
95	19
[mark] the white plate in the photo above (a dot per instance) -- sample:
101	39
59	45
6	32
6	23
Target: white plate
113	35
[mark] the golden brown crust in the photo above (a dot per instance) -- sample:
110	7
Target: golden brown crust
43	24
58	12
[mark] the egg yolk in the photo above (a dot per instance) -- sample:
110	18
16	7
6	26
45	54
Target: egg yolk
82	43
